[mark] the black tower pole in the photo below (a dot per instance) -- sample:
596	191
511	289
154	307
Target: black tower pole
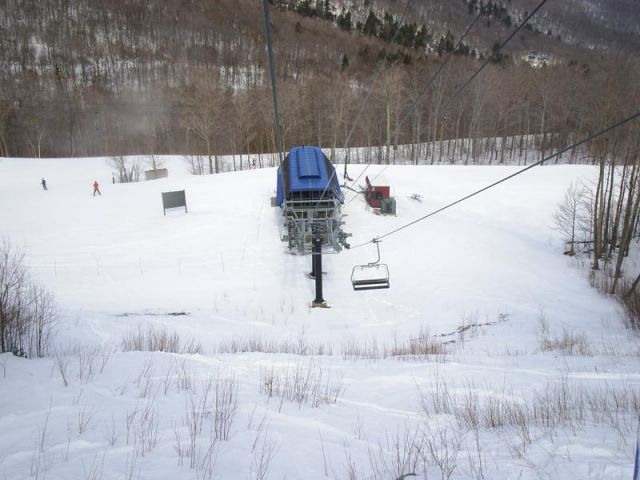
313	263
317	269
274	88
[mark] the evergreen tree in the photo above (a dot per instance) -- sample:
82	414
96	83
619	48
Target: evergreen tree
372	25
407	34
327	11
345	61
344	20
463	49
305	9
446	43
389	27
422	38
496	53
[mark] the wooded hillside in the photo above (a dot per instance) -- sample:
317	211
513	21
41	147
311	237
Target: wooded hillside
90	77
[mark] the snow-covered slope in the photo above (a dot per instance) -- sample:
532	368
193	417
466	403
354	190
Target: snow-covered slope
115	263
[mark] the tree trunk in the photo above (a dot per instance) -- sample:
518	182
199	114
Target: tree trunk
615	226
607	211
633	200
388	142
597	219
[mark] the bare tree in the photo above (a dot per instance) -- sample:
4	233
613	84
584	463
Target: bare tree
128	168
247	123
13	279
43	315
195	164
5	111
154	162
391	92
202	114
566	219
27	311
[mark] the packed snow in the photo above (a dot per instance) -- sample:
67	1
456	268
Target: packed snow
321	393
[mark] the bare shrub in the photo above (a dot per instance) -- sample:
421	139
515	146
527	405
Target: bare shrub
144	380
209	404
86	356
603	279
424	346
351	468
264	450
65	454
85	417
111	434
142	425
476	459
13	286
27	311
437	400
567	344
96	469
468	414
198	406
61	362
262	345
153	339
399	456
558	405
168	376
442	448
130	465
353	349
40	461
43	314
225	406
305	383
543	324
184	379
88	359
104	354
493	412
206	457
181	449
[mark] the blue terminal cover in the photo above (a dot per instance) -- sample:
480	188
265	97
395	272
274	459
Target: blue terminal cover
307	169
310	171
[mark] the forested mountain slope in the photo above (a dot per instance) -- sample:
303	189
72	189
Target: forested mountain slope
89	77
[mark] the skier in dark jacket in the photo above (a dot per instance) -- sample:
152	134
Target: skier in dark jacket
44	184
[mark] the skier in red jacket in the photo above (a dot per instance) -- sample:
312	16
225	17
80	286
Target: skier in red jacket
96	188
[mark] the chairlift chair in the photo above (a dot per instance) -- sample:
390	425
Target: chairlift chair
372	276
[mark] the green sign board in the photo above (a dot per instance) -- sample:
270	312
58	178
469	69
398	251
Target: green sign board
174	200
